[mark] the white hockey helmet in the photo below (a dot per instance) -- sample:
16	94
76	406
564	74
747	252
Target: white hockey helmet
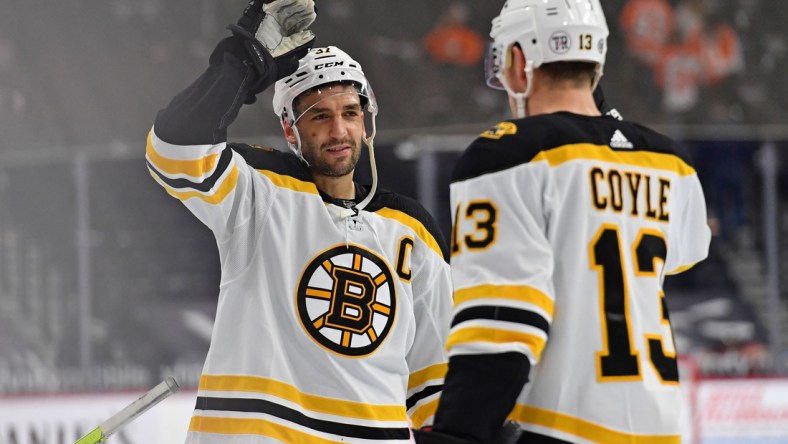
547	31
320	66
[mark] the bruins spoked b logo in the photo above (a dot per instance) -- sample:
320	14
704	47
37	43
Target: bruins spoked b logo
346	300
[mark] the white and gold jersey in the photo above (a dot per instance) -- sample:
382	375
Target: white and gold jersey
565	227
329	328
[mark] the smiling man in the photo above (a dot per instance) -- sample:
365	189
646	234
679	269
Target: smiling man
335	297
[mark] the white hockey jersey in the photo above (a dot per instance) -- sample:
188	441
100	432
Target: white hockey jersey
328	328
564	229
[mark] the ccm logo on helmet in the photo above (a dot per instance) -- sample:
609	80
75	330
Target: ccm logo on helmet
329	65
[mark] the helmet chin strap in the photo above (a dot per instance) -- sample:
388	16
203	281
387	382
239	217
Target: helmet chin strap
373	168
297	146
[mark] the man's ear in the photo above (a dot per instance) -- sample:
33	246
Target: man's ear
289	133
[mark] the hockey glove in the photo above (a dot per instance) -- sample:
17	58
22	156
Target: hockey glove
285	24
273	49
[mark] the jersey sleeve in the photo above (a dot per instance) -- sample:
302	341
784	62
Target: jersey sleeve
691	230
432	304
503	292
502	263
187	151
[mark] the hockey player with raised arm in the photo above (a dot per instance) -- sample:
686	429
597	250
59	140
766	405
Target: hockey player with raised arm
335	297
565	225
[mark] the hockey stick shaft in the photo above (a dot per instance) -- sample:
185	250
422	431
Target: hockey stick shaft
130	412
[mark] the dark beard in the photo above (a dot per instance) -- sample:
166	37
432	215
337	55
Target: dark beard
325	169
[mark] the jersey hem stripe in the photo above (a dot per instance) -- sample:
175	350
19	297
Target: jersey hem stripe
583	428
260	406
254	384
263	427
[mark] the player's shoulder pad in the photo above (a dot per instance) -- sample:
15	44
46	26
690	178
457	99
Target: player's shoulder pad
508	144
388	199
270	159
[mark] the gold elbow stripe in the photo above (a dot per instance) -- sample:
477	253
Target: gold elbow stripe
193	168
216	197
496	336
520	293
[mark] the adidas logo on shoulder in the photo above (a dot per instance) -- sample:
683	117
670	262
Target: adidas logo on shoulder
619	140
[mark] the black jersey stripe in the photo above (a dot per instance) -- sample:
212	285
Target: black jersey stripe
497	313
270	408
206	185
421	394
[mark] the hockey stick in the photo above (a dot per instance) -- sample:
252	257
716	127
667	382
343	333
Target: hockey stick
131	412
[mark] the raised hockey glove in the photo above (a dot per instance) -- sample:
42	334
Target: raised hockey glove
273	49
284	27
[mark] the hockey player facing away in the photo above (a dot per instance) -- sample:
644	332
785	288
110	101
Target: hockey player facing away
335	298
565	225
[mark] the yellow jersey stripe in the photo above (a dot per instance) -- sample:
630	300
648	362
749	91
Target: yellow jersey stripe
587	151
437	371
228	184
350	409
424	412
414	224
519	293
194	168
496	336
238	426
583	428
289	182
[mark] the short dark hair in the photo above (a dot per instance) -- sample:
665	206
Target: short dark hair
576	72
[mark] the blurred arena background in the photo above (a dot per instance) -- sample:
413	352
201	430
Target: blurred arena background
107	285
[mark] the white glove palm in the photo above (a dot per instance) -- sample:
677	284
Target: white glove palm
285	24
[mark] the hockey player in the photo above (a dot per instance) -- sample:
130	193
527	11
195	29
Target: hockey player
335	297
565	224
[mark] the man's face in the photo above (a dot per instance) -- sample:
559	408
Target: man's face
331	129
